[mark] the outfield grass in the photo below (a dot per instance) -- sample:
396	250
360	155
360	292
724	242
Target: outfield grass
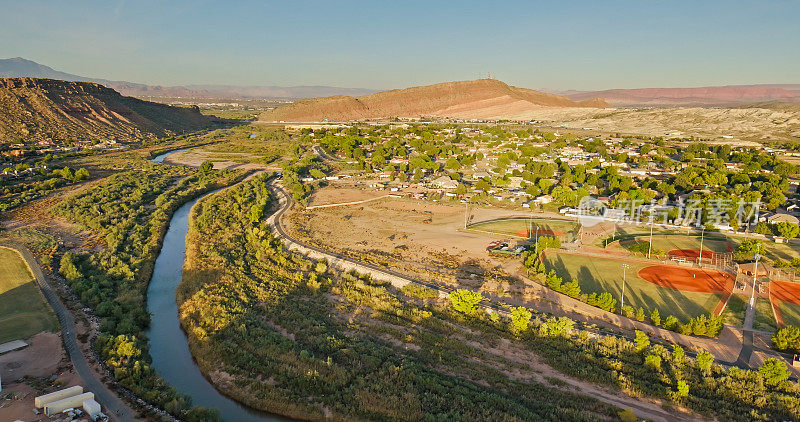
597	275
671	242
790	312
23	311
784	251
735	310
764	318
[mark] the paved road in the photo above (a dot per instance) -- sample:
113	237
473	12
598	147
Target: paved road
112	405
399	280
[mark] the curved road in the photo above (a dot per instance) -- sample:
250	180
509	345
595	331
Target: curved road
112	405
398	280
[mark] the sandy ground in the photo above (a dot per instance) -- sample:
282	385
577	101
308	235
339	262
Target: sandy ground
27	373
335	195
417	237
222	160
746	124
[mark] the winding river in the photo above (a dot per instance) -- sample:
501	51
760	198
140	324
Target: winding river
169	347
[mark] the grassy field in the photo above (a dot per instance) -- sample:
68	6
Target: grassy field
790	312
734	311
23	311
764	319
520	227
597	275
671	242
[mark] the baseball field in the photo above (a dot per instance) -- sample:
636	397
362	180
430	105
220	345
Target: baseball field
683	292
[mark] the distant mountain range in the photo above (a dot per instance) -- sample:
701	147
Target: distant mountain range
19	67
485	99
732	95
34	109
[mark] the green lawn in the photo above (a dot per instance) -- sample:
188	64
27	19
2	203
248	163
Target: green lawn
784	251
764	319
668	243
23	311
790	312
520	226
597	275
735	310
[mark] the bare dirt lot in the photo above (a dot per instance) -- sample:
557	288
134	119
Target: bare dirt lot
222	160
421	238
40	368
342	195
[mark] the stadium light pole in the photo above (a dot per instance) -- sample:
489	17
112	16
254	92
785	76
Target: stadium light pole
624	268
755	276
702	235
650	247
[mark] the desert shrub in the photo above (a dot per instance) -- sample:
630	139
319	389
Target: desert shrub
465	301
520	318
419	292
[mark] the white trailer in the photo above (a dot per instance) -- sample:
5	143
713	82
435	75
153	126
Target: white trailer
41	401
52	408
91	407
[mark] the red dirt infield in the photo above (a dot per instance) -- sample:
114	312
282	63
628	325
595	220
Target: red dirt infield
688	279
785	291
690	253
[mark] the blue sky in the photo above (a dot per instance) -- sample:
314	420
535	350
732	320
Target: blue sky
393	44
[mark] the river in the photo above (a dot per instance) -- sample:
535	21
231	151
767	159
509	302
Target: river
169	347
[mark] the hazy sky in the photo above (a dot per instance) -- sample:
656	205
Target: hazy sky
392	44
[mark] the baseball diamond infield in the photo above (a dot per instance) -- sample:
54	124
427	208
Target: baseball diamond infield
785	297
690	253
688	279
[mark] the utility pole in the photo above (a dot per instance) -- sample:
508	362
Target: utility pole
624	268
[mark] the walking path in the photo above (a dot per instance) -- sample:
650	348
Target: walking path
112	405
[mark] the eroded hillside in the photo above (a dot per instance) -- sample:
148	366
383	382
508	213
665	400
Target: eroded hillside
38	109
479	99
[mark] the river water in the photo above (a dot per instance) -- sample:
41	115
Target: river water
169	347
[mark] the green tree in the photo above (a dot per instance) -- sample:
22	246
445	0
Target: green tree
774	372
787	230
520	318
704	361
640	314
571	288
206	166
556	327
671	323
653	361
655	317
68	268
678	355
787	339
465	301
683	389
642	341
81	174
